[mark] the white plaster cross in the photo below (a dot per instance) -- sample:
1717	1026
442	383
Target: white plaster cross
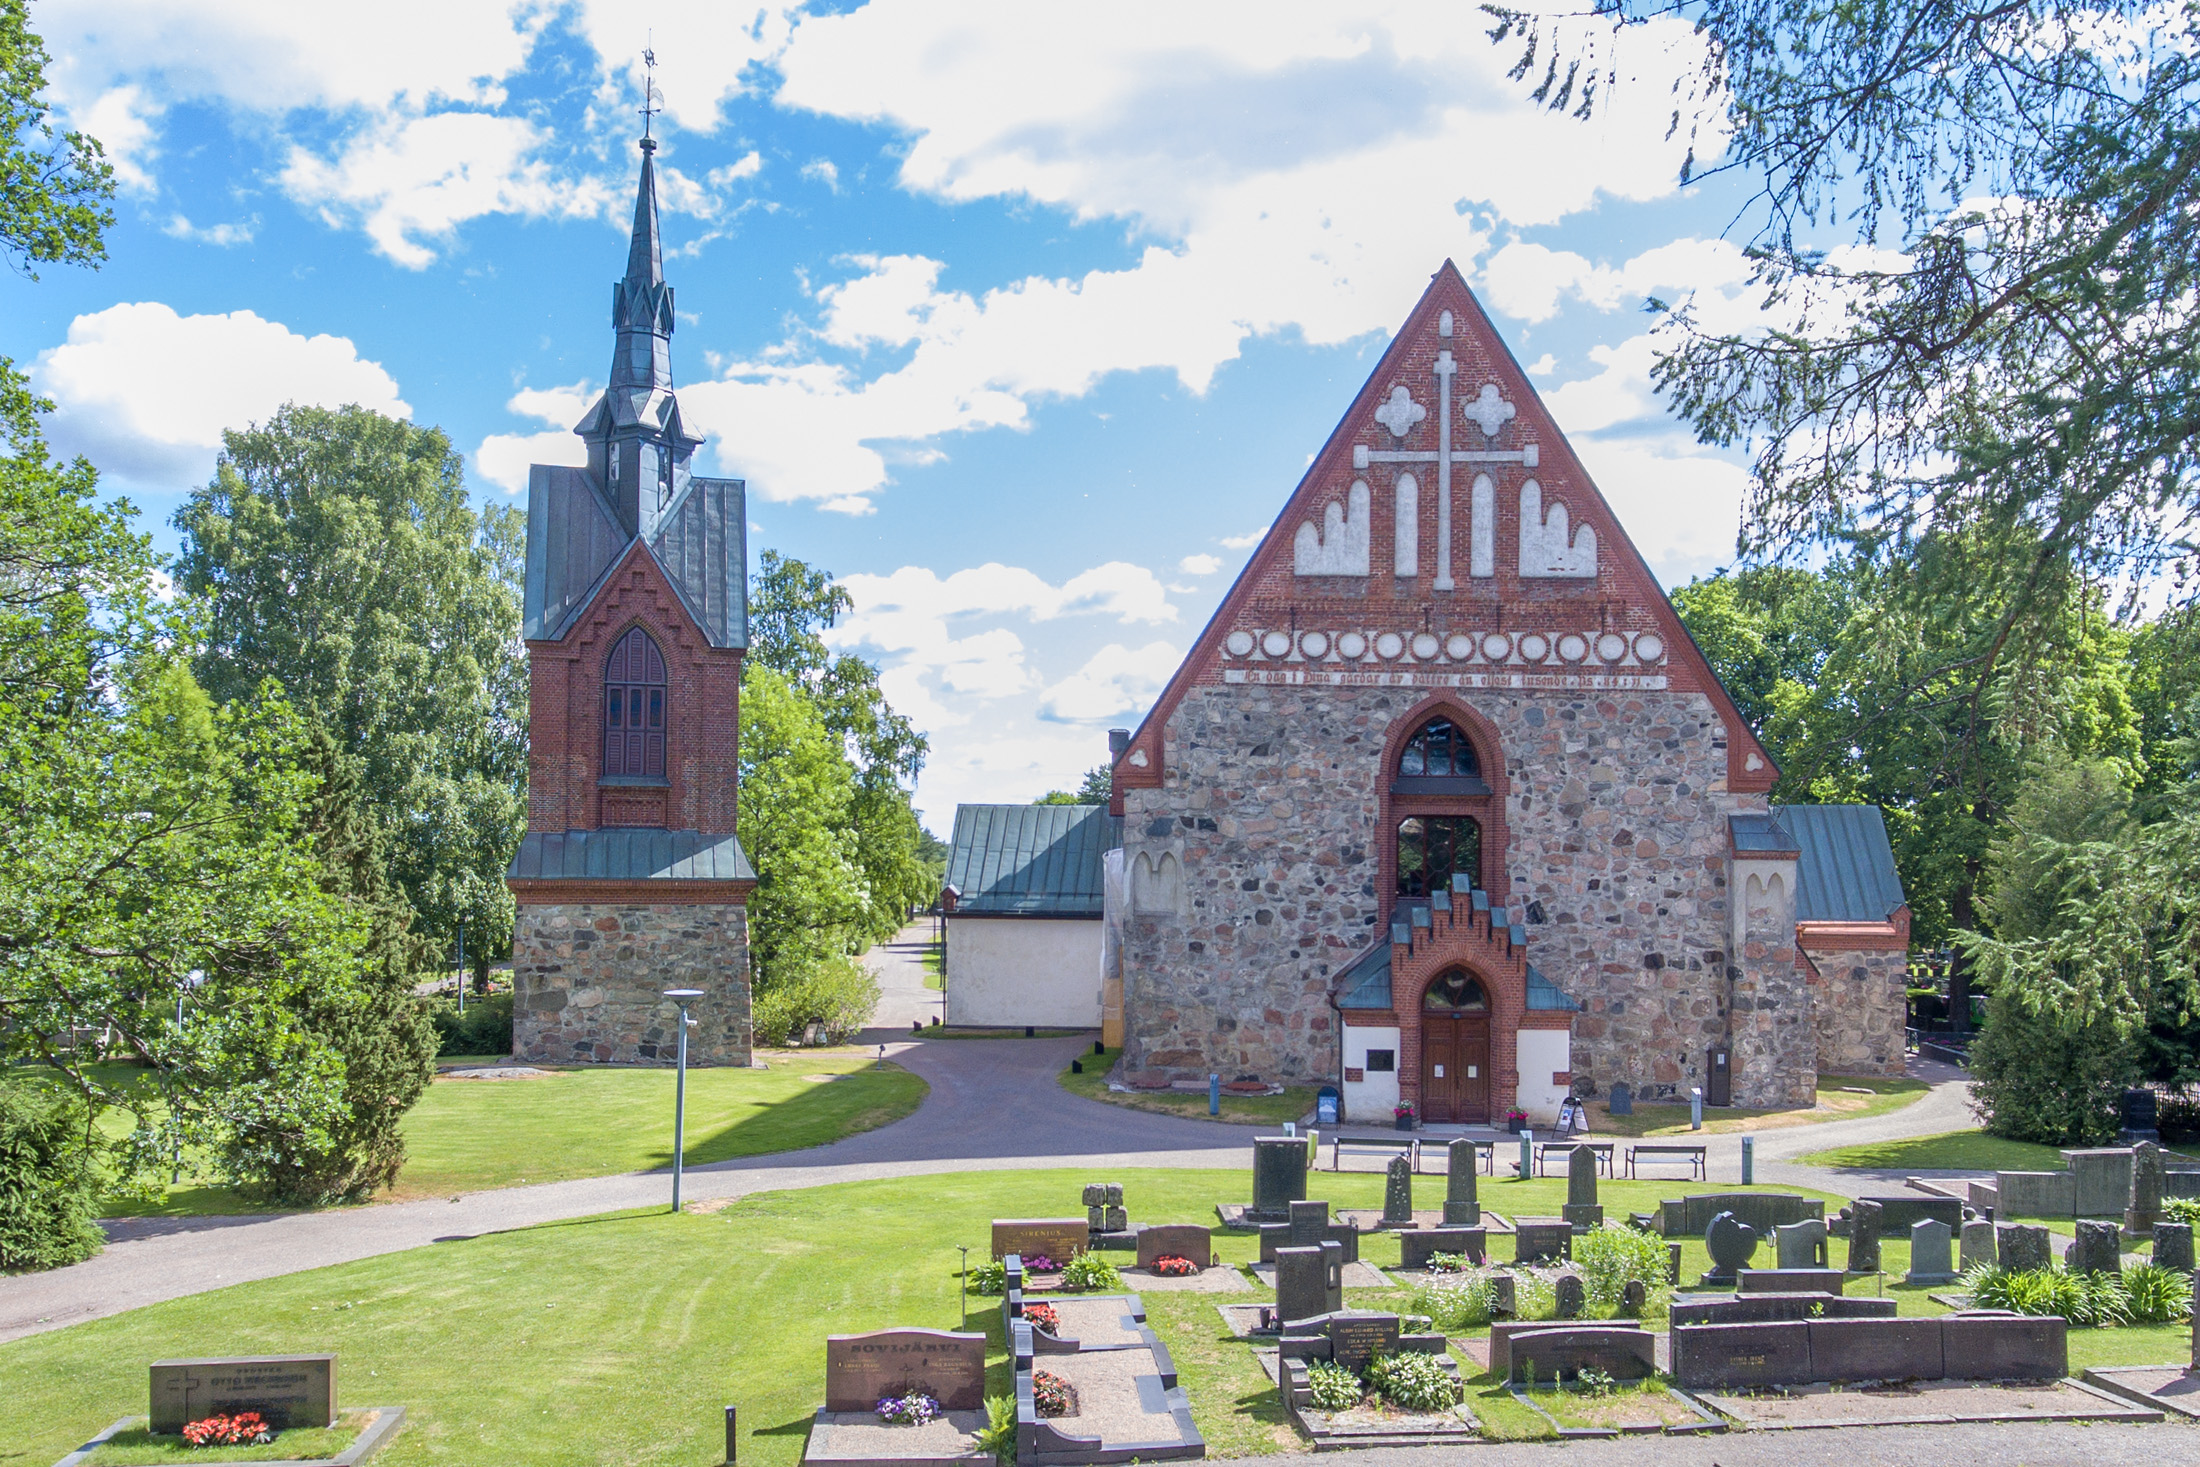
1489	411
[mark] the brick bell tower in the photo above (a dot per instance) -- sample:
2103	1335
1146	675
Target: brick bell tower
631	879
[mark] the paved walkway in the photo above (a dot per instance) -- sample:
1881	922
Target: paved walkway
994	1104
2016	1444
899	967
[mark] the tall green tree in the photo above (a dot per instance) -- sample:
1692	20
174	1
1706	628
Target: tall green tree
56	187
340	556
798	793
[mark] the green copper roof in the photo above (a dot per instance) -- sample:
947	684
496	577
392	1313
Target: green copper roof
1844	871
1031	860
630	855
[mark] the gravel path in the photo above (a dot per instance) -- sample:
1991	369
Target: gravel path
899	968
994	1104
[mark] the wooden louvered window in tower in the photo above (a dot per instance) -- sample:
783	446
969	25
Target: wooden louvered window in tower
634	709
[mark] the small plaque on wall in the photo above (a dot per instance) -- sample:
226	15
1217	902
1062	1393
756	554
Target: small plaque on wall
1353	1075
1562	1077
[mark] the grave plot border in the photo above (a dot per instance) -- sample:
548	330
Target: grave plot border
384	1425
2126	1412
1040	1443
1708	1420
2103	1376
1326	1438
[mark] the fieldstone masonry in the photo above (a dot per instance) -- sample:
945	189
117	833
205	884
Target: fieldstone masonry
575	998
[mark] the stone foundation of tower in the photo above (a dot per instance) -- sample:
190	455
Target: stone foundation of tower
588	981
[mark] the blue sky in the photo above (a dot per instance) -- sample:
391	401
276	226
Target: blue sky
1021	319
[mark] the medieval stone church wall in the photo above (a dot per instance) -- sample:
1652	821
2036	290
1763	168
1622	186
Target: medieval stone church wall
1862	1002
588	981
1271	809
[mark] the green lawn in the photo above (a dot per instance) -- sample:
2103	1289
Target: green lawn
935	966
138	1447
1948	1151
1296	1102
472	1135
1838	1100
620	1339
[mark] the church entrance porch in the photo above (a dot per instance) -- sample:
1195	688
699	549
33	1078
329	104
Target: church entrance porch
1455	1050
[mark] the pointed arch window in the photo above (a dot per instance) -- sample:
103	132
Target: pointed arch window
1438	760
1453	991
635	709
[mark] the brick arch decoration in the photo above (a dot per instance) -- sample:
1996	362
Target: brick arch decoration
1489	809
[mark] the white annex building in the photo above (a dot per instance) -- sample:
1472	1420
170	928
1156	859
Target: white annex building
1024	900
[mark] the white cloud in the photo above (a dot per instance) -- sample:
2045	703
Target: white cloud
1200	565
145	393
705	49
422	177
1118	682
122	118
225	235
1543	366
1680	503
823	170
503	458
1245	541
747	166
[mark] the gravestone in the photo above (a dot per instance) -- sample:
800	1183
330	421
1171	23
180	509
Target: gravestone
2194	1368
862	1370
1687	1217
1462	1205
2021	1247
1547	1353
1417	1245
1801	1245
2173	1246
1103	1194
1581	1207
1309	1281
2099	1248
1175	1240
1634	1299
1877	1349
1279	1175
1673	1264
1309	1227
2136	1115
1355	1339
2034	1194
1571	1296
1931	1248
1622	1102
1734	1355
1058	1238
1398	1193
287	1390
1897	1215
1863	1219
1789	1281
1978	1244
1731	1243
2100	1180
2144	1209
1541	1239
1504	1296
2005	1347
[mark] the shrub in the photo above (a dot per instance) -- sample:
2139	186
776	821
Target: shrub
2040	1077
1414	1382
1456	1303
1609	1258
837	993
1331	1387
1089	1273
2095	1300
998	1435
485	1028
989	1278
49	1192
2182	1209
2158	1295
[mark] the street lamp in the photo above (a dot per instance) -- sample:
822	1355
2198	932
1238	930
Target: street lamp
683	997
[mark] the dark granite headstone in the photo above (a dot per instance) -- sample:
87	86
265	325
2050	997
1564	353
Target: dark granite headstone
1622	1100
1768	1308
2099	1248
1309	1281
1355	1339
1673	1264
287	1390
1175	1240
2173	1245
1932	1253
2145	1209
861	1370
1462	1205
1731	1243
1309	1227
1898	1214
2005	1347
1541	1239
1279	1175
1398	1193
1581	1207
1863	1219
1634	1299
1571	1296
1978	1244
1417	1245
1728	1355
1789	1281
1875	1349
2136	1116
1504	1296
2022	1247
1547	1353
1687	1217
1801	1245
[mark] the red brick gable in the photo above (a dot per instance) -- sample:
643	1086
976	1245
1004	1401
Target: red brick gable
566	714
1301	613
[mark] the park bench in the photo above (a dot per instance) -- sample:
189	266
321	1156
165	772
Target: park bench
1692	1154
1410	1145
1603	1150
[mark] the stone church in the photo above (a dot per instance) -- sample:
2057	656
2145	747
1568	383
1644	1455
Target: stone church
1445	806
631	879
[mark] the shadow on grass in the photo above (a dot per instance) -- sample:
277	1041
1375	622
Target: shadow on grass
826	1112
800	1426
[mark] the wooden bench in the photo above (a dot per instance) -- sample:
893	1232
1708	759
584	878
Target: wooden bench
1693	1155
1602	1150
1410	1145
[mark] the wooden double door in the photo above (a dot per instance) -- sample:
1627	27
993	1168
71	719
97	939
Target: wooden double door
1455	1068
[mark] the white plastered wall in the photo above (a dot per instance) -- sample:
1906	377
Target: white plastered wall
1368	1102
1544	1053
1024	970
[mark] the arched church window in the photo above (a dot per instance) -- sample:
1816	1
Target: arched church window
634	708
1454	991
1434	848
1438	760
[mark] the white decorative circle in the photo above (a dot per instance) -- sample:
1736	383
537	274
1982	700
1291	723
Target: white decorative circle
1572	648
1315	644
1535	647
1239	644
1650	647
1496	645
1275	644
1611	646
1352	645
1425	646
1389	645
1460	647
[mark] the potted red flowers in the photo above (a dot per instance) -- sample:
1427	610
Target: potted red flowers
1516	1121
1403	1114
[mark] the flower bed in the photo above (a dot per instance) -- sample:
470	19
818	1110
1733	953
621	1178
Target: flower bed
1044	1316
1052	1395
1170	1266
913	1409
1089	1273
1040	1263
1447	1263
244	1429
